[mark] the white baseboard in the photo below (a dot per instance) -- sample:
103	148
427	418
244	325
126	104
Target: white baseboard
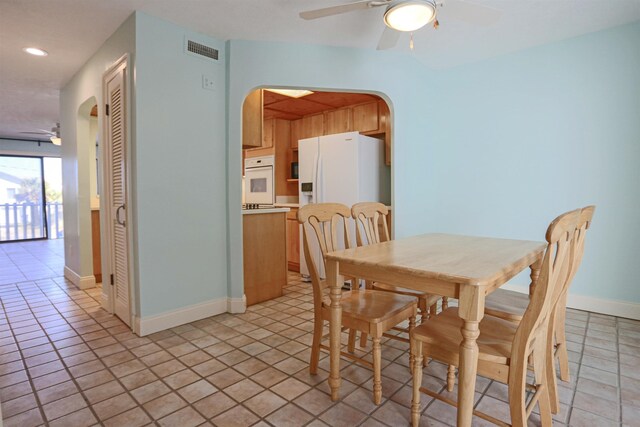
629	310
237	305
171	319
82	282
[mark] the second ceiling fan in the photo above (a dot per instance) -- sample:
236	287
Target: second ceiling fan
411	15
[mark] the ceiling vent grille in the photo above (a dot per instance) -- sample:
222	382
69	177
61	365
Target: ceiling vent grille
202	50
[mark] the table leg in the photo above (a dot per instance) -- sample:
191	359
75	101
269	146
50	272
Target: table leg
471	310
535	273
334	281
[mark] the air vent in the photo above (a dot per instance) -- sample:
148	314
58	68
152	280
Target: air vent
202	50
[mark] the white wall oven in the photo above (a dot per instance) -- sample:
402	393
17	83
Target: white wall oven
259	177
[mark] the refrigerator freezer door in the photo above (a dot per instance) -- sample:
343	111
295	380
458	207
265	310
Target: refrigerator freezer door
307	190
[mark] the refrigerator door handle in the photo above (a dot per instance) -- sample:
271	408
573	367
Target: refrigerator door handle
315	198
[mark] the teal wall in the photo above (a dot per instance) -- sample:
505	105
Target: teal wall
180	170
399	78
518	139
496	148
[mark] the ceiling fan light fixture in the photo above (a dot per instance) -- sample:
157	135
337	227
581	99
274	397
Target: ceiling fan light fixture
55	140
410	15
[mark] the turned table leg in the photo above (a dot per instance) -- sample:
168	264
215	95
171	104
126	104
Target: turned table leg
335	293
471	310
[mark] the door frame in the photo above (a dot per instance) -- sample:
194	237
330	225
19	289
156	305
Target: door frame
106	219
45	218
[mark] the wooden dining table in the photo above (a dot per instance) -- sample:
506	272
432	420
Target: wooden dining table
463	267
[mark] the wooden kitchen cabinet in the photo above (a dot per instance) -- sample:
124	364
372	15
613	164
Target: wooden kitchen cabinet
252	120
366	117
338	121
312	126
95	245
385	126
265	255
293	241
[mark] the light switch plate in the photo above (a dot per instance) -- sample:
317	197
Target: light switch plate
208	82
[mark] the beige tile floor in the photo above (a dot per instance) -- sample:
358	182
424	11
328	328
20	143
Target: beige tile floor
66	362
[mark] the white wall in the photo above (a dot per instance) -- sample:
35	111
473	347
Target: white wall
180	171
75	103
29	148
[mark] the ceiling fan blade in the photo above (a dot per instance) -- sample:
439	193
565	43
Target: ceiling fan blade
388	39
472	13
37	133
336	10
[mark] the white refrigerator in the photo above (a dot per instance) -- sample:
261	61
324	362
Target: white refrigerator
343	168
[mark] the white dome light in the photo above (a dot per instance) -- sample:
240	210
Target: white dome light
35	51
411	15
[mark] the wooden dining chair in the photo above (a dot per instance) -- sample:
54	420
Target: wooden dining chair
504	347
511	306
367	311
371	227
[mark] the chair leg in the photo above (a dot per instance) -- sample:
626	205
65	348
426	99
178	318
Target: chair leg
541	375
377	362
451	377
352	341
445	303
548	352
561	339
315	345
412	324
416	347
517	394
363	339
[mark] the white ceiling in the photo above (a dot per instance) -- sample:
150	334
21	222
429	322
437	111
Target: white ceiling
71	30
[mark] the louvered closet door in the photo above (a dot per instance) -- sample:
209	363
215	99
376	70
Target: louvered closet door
117	144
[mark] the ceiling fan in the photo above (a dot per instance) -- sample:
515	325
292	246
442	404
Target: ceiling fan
53	134
410	15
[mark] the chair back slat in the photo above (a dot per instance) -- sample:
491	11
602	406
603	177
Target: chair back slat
323	223
371	222
557	263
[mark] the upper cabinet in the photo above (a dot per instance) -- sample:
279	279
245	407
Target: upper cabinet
252	120
365	117
338	121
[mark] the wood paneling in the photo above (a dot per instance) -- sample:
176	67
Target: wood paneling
267	133
265	256
95	245
252	120
338	121
312	126
282	137
296	132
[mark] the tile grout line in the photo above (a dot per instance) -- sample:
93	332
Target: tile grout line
575	389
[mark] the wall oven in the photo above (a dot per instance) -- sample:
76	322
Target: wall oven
259	179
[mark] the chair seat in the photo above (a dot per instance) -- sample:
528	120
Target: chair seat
443	332
373	306
506	304
430	299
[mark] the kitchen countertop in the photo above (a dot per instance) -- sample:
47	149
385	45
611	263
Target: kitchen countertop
265	211
287	205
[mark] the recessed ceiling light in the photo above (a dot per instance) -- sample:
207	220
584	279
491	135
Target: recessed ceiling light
35	51
294	93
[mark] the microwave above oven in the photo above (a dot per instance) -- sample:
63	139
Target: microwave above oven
259	179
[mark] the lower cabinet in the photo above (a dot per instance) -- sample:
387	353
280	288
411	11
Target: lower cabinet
293	241
265	255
